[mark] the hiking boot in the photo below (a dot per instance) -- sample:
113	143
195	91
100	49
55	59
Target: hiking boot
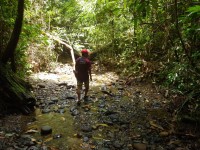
85	98
78	103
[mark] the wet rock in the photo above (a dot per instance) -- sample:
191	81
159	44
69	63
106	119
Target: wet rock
85	139
57	136
120	88
33	148
70	86
9	134
88	134
163	134
54	99
25	140
110	112
62	105
46	111
117	97
25	136
156	105
108	144
72	109
45	130
86	128
124	126
44	148
93	96
61	111
69	96
50	102
62	84
140	146
104	148
19	147
107	121
111	135
118	144
114	117
75	112
41	85
102	105
107	92
103	88
79	135
137	93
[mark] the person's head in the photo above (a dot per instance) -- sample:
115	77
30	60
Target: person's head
85	52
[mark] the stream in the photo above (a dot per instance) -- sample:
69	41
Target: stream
114	117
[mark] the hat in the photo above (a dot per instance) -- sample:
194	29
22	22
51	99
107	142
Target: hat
84	51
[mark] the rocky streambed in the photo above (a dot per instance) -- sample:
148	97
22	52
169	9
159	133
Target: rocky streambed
115	116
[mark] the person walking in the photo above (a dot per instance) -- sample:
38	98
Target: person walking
83	74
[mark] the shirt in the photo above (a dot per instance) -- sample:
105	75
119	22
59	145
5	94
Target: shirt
83	67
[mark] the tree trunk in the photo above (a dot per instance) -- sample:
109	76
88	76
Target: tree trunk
187	53
12	44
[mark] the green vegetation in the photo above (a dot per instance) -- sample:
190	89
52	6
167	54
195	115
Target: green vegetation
158	39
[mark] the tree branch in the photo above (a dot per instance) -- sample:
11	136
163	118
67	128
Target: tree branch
66	45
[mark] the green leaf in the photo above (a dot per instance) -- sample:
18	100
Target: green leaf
194	9
154	4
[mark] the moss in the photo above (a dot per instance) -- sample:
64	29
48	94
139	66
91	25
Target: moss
15	92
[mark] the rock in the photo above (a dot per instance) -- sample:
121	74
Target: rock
107	121
120	88
54	99
102	105
45	111
86	128
140	146
62	84
107	92
61	111
75	112
69	96
117	144
57	136
110	112
114	117
33	148
45	130
41	85
85	139
79	135
164	133
72	109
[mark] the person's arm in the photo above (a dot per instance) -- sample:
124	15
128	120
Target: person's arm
90	72
76	68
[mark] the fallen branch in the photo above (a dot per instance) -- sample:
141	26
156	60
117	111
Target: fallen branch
65	44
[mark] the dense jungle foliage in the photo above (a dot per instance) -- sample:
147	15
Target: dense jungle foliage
157	40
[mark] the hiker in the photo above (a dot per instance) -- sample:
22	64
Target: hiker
83	74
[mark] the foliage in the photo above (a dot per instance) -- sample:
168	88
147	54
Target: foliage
7	19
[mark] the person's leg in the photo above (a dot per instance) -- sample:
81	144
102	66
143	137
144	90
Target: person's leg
86	84
79	88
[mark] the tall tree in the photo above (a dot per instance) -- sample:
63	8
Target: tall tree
12	44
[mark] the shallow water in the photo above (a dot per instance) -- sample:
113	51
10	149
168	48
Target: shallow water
67	125
62	124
